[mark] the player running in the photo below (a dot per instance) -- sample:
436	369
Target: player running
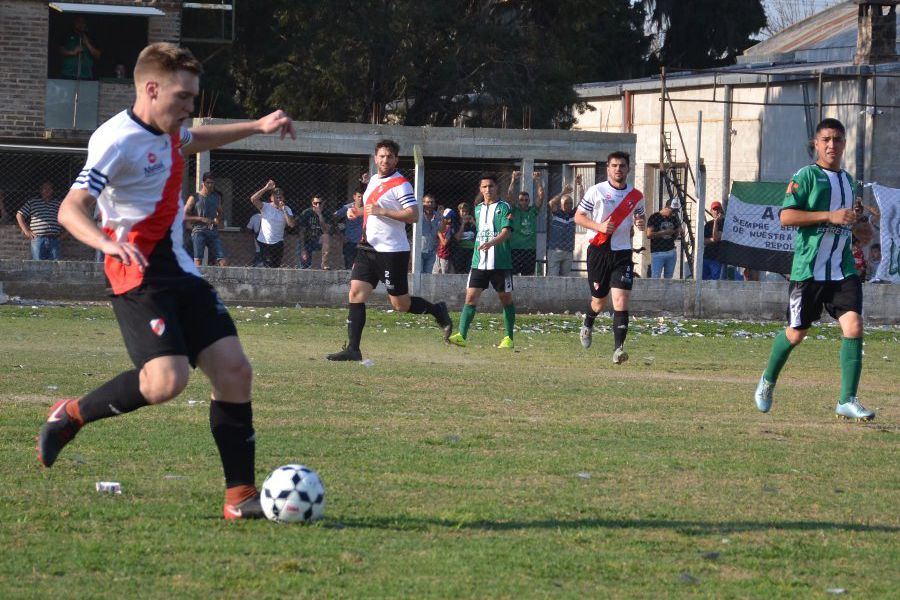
383	253
820	203
170	318
611	208
491	262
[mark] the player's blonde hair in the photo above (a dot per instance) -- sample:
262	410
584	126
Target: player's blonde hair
163	58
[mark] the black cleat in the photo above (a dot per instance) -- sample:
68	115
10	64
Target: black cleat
443	318
248	509
346	354
57	431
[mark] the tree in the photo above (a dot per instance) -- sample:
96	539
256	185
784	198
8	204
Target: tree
699	34
420	63
781	14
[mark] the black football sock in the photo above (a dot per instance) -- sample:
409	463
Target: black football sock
620	326
232	428
420	306
589	316
119	395
355	323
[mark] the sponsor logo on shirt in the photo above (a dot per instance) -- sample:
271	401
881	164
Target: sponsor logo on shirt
833	229
152	168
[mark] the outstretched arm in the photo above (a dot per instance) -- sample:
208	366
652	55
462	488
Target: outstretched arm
207	137
538	189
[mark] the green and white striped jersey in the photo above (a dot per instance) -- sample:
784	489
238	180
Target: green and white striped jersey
490	220
822	251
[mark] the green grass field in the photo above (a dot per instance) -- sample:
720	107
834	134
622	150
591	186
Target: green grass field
458	472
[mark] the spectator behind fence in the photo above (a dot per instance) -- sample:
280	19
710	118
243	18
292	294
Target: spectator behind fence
873	260
561	234
315	225
203	211
712	236
446	242
38	221
351	227
274	216
431	223
464	239
523	240
78	52
663	228
253	227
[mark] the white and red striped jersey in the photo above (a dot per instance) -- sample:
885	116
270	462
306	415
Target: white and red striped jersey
134	171
600	202
394	192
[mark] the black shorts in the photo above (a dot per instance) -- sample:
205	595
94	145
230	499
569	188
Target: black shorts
180	319
500	279
608	269
808	297
372	266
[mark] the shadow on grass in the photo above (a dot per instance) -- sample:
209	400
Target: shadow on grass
407	523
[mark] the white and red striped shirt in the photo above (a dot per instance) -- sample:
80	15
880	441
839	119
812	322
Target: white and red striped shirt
134	171
599	203
394	192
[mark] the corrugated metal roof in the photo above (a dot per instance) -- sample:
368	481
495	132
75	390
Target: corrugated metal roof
826	35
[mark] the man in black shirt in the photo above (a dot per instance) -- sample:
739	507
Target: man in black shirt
663	228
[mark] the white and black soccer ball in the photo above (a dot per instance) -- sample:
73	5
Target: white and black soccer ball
293	494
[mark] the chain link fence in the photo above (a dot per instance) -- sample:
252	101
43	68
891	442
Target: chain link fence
737	247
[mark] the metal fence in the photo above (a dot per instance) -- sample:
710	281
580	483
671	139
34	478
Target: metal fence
333	178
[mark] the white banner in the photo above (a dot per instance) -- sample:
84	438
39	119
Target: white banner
888	200
757	225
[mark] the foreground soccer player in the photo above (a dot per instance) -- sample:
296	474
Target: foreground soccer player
819	202
170	318
389	203
611	208
491	262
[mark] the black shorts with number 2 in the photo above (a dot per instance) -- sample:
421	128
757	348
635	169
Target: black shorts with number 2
608	269
372	266
181	318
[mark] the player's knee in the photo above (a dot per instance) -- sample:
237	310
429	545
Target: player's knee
235	375
795	336
161	385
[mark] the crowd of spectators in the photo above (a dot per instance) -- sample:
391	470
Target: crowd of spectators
327	239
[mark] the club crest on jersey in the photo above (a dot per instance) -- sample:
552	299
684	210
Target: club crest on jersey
792	187
151	158
596	285
158	326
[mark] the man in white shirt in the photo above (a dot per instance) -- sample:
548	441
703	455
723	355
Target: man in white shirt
611	208
389	203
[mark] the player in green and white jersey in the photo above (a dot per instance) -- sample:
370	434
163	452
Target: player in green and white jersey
491	262
820	203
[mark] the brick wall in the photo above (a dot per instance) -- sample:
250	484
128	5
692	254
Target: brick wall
14	245
114	98
23	54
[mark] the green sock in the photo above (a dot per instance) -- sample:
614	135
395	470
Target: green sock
465	319
509	318
781	350
851	367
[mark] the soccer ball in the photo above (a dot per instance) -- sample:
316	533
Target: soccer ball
293	494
